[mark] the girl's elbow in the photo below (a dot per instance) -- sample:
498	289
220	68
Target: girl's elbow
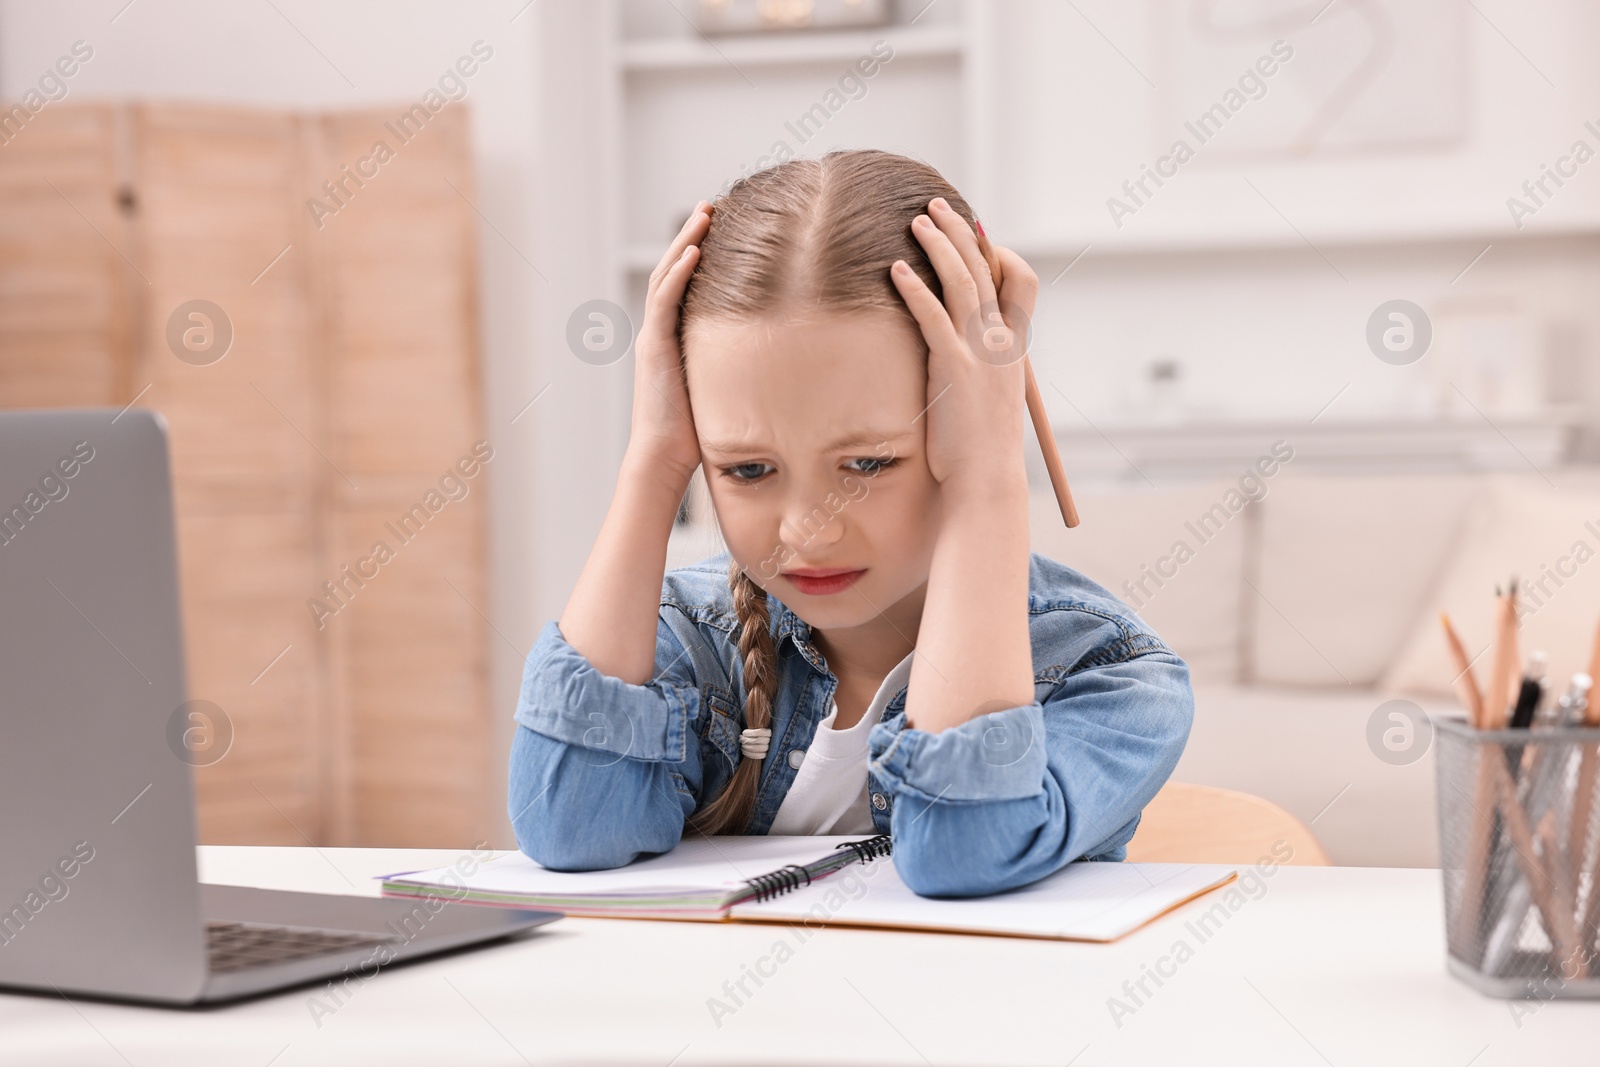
571	815
955	858
557	834
571	852
974	850
928	876
545	832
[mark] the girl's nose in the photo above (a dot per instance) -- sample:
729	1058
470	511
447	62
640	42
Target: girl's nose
813	521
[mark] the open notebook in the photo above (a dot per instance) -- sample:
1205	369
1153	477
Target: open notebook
824	881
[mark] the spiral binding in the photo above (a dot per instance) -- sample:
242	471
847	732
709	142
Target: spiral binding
793	876
871	848
778	882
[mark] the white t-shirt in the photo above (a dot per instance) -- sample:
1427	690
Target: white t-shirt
829	792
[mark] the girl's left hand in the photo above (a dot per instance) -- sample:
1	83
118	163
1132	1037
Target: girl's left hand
976	344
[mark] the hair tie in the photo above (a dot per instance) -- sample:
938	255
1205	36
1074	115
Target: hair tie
753	743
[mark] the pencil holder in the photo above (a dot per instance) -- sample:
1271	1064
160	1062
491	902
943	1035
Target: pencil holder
1521	863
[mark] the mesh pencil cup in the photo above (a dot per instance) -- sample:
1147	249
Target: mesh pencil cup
1517	811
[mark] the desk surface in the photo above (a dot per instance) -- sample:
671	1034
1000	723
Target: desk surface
1333	965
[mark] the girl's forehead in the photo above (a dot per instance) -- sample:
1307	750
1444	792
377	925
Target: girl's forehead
858	346
804	384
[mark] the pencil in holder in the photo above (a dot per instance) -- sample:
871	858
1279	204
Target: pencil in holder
1520	857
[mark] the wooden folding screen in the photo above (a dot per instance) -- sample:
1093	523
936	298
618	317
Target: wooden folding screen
64	316
347	399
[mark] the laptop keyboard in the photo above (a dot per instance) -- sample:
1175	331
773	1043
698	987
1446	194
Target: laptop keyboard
237	946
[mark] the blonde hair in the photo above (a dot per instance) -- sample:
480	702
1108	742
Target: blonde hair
807	236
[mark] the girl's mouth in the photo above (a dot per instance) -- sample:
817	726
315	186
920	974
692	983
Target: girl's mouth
823	581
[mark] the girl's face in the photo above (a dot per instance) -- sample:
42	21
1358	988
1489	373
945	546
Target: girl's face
811	437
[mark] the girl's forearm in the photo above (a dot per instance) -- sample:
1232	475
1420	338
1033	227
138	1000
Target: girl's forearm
612	614
973	649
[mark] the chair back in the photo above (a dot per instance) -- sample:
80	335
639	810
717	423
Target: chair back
1203	824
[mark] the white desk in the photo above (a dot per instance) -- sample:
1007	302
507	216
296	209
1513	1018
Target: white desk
1340	966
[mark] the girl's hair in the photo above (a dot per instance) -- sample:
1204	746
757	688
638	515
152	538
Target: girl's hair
805	237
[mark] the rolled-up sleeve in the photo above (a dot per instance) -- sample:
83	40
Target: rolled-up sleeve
1011	796
602	771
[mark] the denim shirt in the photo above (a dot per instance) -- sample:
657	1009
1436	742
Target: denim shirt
603	771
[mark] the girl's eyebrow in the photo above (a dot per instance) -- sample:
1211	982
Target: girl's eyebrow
852	439
865	437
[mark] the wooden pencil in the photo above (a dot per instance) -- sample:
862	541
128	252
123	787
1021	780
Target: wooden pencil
1558	922
1481	835
1470	919
1503	674
1047	447
1035	402
1564	899
1591	713
1465	680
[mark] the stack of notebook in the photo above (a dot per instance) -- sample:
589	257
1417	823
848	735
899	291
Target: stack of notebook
827	881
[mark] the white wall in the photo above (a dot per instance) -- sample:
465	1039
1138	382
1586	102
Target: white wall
1090	93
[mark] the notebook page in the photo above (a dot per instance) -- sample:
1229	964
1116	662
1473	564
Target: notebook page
696	867
1084	901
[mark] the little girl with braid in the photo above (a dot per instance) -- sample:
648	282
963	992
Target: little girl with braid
877	651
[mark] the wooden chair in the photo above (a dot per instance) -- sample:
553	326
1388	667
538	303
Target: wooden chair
1202	824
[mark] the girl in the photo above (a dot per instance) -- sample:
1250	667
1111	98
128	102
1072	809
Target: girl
877	651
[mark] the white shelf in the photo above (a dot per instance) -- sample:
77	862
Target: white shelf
788	49
1065	250
1131	451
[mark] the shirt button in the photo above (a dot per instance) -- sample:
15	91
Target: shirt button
880	801
797	756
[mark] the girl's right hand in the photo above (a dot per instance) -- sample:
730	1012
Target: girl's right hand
662	434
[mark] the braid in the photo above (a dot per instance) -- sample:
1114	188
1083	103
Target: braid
730	812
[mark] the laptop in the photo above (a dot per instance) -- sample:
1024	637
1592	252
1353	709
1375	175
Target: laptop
99	894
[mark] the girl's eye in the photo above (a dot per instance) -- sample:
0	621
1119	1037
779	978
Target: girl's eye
745	472
873	465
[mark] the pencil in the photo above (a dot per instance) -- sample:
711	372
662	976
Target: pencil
1047	447
1480	845
1591	713
1497	698
1481	842
1557	923
1035	401
1464	677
